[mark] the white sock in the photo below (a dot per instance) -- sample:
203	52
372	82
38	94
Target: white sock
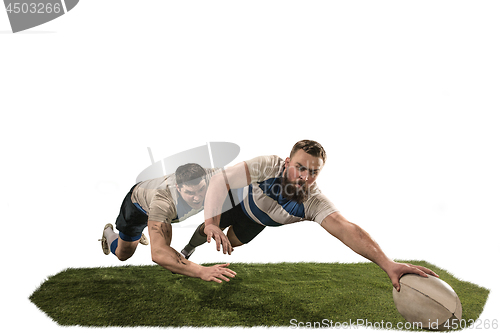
110	235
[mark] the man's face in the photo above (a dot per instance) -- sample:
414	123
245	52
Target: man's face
301	172
194	195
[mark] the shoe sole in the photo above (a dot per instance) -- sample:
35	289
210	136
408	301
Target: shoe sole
144	240
104	241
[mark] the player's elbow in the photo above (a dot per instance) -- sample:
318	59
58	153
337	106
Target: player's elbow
157	257
154	258
160	258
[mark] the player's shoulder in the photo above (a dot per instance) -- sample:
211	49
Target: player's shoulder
153	183
264	160
264	167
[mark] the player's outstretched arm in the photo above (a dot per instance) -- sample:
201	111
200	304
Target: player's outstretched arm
360	242
161	235
233	177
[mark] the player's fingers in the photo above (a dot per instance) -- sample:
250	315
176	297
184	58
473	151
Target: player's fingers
221	276
222	271
217	241
229	272
224	267
395	284
215	279
427	271
209	235
417	270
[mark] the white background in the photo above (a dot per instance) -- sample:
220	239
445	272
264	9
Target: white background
404	96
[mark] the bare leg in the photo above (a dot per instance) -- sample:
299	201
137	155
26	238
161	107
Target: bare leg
125	249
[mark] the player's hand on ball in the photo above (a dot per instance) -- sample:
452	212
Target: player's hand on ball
397	270
217	272
220	238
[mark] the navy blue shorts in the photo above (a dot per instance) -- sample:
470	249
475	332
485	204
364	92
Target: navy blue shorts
244	228
132	219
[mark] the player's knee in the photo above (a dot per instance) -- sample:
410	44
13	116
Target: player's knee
123	256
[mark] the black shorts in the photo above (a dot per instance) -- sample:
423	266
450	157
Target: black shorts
132	220
244	228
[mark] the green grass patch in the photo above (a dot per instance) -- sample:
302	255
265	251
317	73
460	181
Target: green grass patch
260	295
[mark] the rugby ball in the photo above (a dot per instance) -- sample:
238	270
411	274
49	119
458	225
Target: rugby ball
428	302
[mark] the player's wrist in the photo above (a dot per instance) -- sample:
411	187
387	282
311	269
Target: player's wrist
202	272
210	224
386	264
